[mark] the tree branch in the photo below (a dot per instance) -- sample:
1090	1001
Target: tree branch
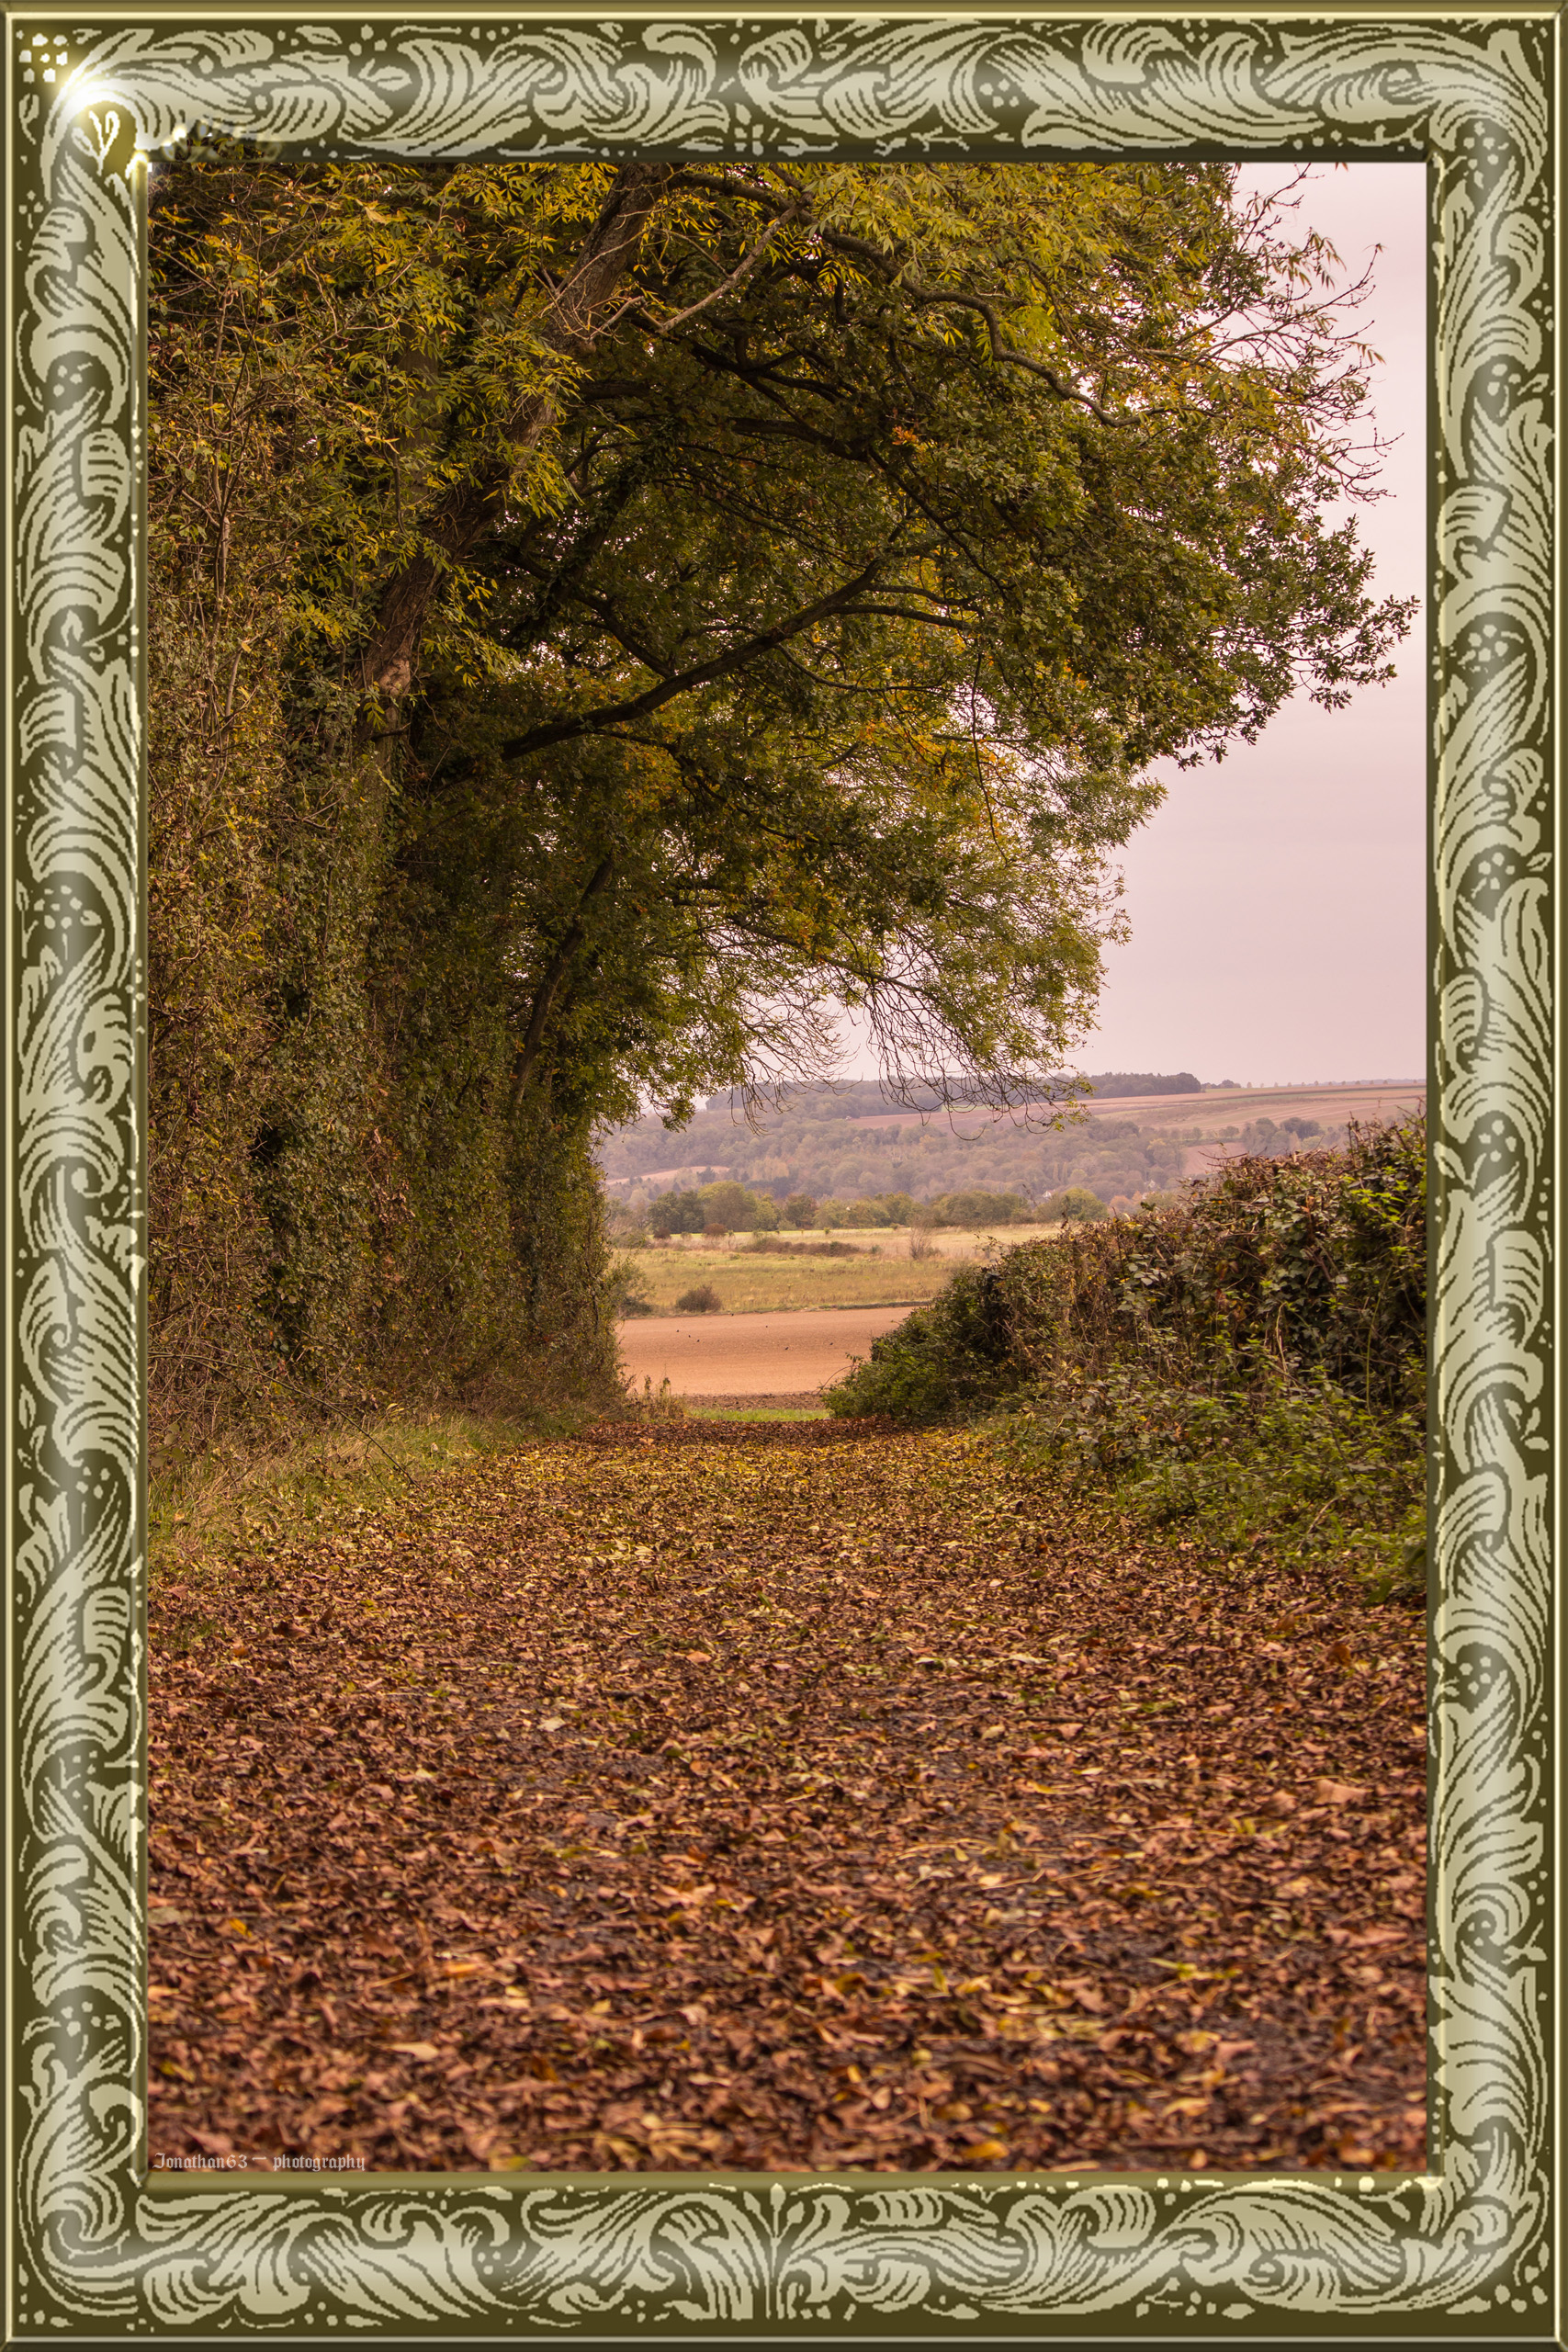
560	730
555	973
571	326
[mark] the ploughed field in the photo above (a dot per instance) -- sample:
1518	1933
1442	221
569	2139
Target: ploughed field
750	1355
763	1797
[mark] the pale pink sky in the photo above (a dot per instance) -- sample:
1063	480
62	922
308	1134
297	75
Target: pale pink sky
1277	901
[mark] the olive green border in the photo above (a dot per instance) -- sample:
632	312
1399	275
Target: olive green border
98	2250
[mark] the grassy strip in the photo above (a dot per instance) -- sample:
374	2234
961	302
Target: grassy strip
748	1283
203	1505
761	1413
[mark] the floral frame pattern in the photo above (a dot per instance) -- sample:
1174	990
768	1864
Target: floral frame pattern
100	2249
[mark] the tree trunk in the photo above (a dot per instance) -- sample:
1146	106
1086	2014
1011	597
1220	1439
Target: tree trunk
575	317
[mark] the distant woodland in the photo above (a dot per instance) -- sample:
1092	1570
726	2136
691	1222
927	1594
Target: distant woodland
847	1143
606	619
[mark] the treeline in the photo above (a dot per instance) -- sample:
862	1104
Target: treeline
722	1208
1116	1159
565	696
863	1098
1248	1364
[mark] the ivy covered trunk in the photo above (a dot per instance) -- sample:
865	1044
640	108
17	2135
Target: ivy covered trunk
347	1201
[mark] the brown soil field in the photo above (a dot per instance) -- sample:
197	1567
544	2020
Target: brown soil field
752	1355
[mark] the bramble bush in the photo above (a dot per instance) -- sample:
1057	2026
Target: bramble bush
1250	1364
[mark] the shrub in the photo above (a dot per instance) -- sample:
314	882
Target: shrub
800	1210
951	1354
1077	1206
701	1300
627	1292
1253	1357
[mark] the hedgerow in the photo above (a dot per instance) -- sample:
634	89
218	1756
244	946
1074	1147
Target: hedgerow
1248	1365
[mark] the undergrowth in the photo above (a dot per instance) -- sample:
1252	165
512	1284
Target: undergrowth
259	1485
1247	1368
245	1490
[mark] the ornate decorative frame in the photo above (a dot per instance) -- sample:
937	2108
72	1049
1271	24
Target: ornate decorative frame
100	2249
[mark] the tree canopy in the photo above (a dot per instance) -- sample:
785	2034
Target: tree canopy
791	572
608	618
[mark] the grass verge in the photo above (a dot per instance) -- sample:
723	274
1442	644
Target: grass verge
243	1491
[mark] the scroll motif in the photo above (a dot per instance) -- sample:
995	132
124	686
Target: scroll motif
97	2248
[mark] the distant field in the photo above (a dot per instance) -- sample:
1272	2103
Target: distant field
755	1283
1208	1111
782	1359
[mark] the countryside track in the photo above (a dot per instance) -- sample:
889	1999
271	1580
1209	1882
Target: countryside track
773	1797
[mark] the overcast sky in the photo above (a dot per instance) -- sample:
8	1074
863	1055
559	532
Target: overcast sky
1277	901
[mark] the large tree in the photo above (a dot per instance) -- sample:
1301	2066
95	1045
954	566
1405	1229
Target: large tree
721	594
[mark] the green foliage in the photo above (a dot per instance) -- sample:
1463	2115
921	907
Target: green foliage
950	1357
1296	1464
729	1205
975	1208
605	617
1252	1363
628	1293
345	1202
1074	1204
712	1208
675	1212
800	1210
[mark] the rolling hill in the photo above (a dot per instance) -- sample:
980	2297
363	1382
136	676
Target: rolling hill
849	1142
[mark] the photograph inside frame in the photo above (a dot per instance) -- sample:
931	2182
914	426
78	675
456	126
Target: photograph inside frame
760	1561
219	2237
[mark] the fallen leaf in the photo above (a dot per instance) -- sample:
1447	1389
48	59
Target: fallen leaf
777	1910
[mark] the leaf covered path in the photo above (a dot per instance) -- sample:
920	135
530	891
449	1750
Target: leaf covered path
776	1796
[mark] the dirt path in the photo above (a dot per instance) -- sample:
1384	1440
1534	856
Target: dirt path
752	1355
770	1799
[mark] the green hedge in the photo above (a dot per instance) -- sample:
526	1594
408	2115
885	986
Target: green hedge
1251	1362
